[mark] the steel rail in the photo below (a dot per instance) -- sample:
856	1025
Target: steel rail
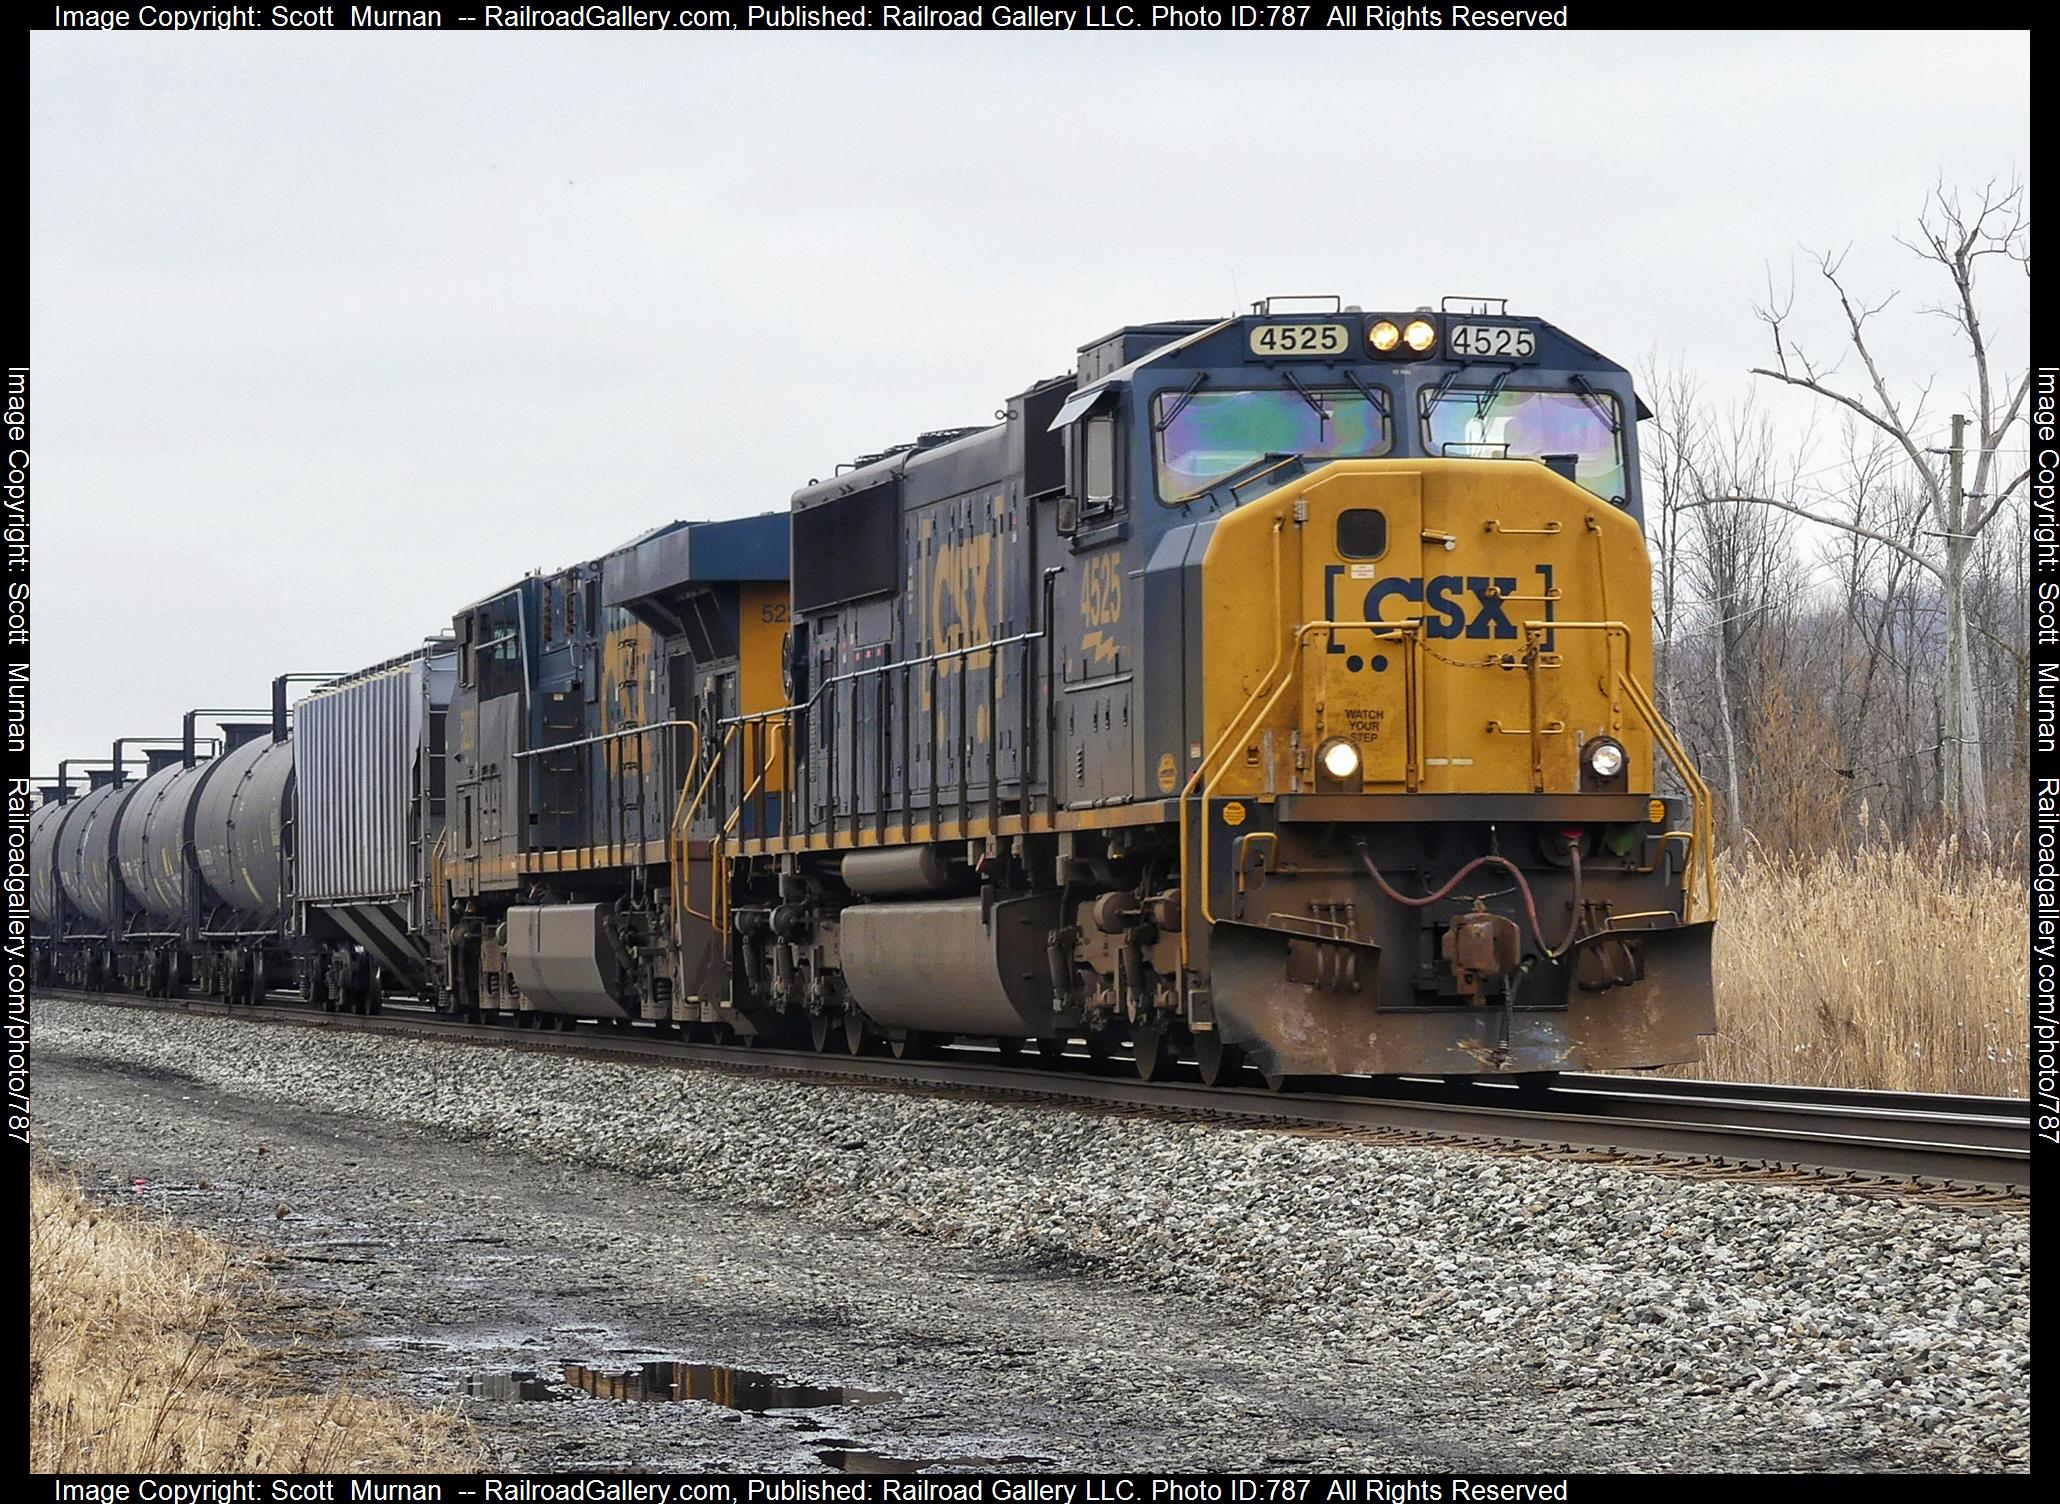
1911	1137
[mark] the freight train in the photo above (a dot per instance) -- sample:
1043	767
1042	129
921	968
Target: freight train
1270	692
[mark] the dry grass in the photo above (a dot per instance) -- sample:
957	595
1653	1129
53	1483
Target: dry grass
1888	967
139	1362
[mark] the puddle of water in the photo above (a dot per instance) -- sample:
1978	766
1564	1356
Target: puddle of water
510	1386
847	1457
717	1383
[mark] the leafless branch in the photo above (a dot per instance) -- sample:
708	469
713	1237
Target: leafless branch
1844	524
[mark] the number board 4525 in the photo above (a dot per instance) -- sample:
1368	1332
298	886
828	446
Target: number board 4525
1492	341
1270	341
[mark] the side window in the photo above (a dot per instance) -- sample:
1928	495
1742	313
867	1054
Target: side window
1098	465
497	648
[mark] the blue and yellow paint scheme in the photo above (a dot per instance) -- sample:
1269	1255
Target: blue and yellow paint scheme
1225	655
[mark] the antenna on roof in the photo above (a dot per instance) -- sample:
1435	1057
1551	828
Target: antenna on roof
1265	305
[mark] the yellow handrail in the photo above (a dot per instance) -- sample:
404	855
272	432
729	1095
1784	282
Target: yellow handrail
683	816
1702	803
1202	767
441	897
718	898
1408	631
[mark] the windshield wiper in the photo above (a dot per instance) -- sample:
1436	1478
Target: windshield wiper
1602	410
1487	398
1187	396
1377	403
1445	383
1322	415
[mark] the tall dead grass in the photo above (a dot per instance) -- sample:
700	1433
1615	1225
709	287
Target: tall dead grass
1888	967
139	1362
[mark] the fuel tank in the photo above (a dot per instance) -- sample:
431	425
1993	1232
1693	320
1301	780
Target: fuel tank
150	844
239	823
953	965
563	959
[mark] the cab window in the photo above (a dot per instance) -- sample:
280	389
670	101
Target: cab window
1205	437
1463	424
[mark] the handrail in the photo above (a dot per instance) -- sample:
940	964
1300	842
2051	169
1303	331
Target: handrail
1409	631
610	736
990	649
1700	837
718	897
1702	803
441	897
1202	768
683	816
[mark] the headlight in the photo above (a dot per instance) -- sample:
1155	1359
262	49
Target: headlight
1605	758
1420	335
1340	760
1384	336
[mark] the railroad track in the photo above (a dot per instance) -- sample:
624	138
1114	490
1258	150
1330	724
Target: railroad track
1948	1148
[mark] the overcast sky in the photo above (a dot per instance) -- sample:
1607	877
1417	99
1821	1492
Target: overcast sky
333	334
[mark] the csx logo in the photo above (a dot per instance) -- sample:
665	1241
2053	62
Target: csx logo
1453	605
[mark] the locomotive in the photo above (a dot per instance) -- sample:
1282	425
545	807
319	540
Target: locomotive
1271	692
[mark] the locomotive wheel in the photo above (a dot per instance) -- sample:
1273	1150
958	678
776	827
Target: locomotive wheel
911	1045
1152	1047
1218	1062
1280	1081
823	1033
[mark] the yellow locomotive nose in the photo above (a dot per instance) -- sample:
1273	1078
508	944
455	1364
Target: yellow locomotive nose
1463	626
1425	697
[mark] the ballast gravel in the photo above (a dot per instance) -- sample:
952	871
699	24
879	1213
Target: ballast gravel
1731	1324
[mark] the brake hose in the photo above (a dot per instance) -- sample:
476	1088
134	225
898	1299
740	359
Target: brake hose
1523	887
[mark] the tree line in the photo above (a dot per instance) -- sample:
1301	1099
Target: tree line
1841	619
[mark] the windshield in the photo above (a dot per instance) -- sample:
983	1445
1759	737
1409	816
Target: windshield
1207	435
1528	425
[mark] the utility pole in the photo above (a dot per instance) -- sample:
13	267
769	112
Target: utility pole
1964	798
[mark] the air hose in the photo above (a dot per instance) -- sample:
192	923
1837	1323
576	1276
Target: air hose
1523	887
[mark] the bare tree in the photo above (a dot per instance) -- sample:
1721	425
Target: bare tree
1956	237
1738	563
1668	458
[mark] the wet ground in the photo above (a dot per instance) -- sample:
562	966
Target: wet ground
595	1320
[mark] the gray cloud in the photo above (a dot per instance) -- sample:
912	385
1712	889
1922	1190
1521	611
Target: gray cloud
334	334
